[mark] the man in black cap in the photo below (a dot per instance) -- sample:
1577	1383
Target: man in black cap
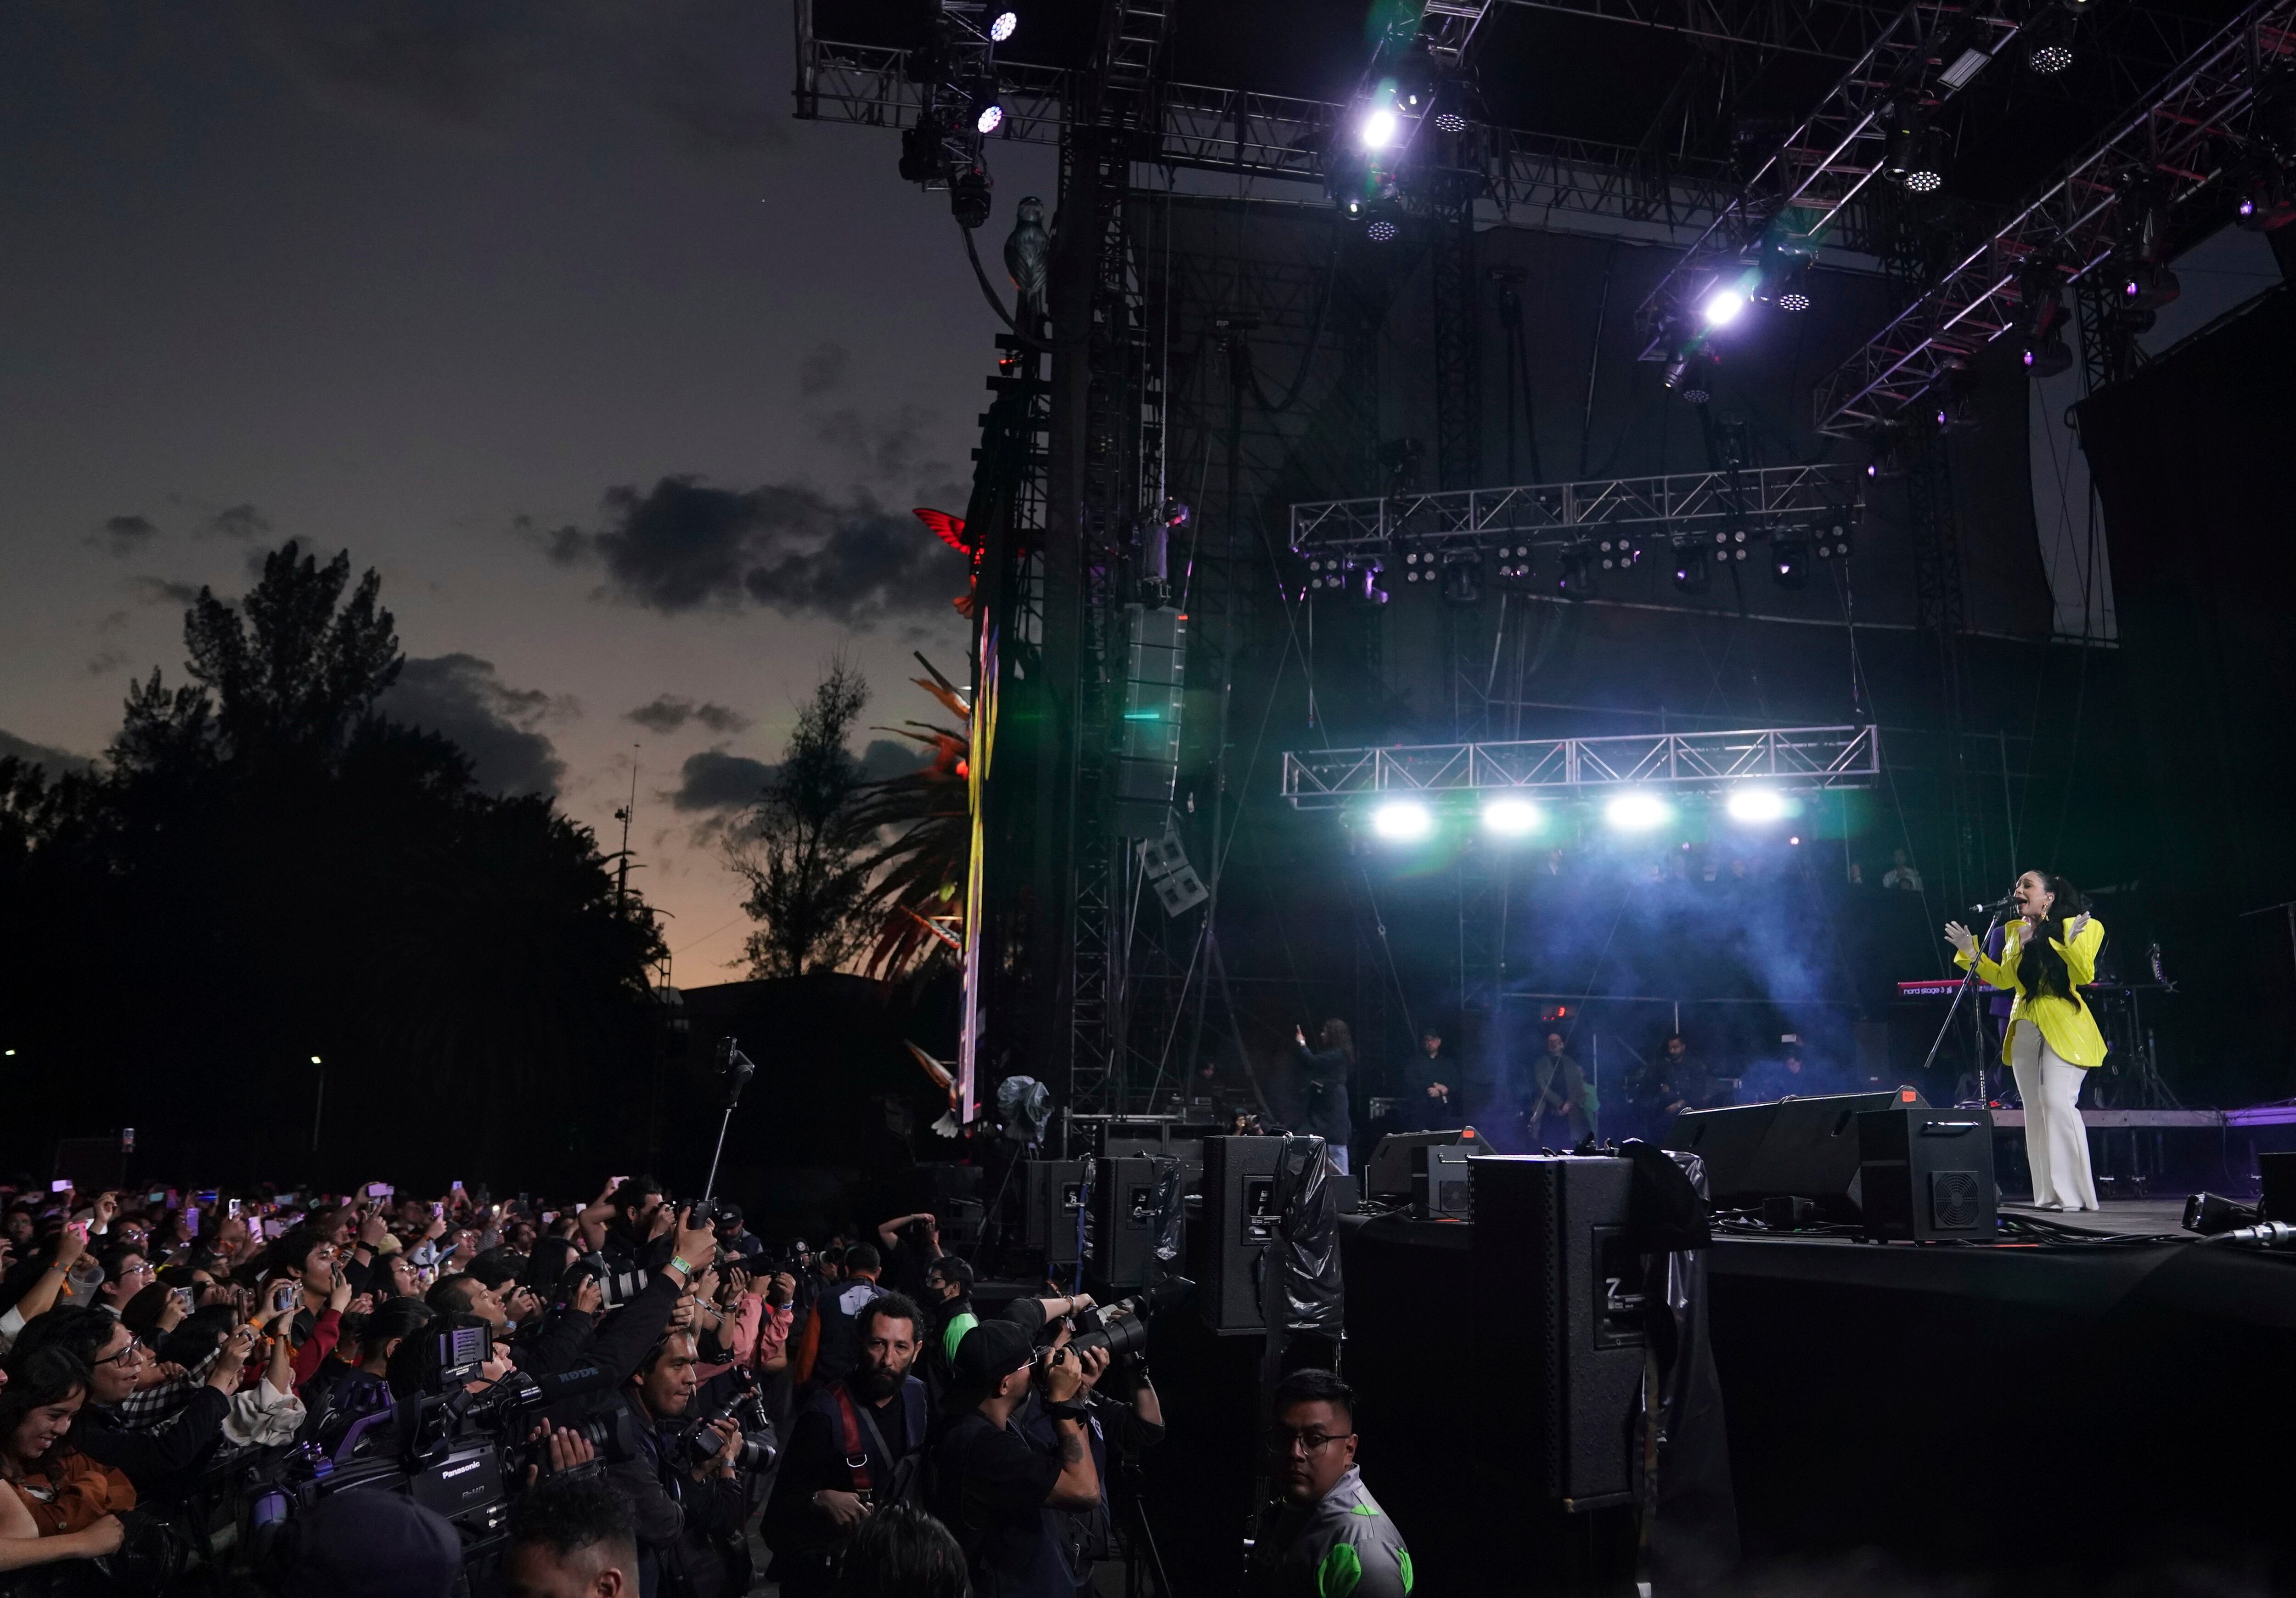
995	1487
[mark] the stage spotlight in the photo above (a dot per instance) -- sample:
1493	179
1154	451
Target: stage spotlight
1379	127
1789	558
1620	555
989	118
1722	307
1462	579
1915	151
1512	817
1794	288
1450	122
1364	583
2046	358
1691	374
1638	812
1514	564
1757	805
1833	535
1352	207
1381	230
1574	578
2148	285
1402	820
1690	568
1002	28
968	198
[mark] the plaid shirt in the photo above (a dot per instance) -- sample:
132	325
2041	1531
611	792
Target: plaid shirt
148	1409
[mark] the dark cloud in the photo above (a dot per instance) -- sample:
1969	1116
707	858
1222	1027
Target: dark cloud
459	697
682	545
127	534
440	59
163	590
890	757
880	449
823	368
57	761
670	712
236	522
715	779
716	101
106	660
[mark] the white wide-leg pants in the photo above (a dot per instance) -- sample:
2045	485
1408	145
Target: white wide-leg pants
2056	1143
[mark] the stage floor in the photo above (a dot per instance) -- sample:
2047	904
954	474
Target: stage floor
2120	1217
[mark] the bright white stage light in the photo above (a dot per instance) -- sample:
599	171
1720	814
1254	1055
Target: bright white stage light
1512	817
1722	307
1002	28
1757	804
1402	820
992	116
1380	127
1638	812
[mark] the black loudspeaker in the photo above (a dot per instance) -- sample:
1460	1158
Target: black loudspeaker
1387	1173
1124	1221
1231	1236
1927	1174
1806	1148
2279	1172
1558	1307
1441	1187
1055	1189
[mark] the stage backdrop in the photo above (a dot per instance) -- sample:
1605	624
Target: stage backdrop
2192	458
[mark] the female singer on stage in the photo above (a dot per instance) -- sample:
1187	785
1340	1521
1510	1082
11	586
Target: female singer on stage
2052	1041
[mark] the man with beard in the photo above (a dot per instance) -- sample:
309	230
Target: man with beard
1326	1536
856	1444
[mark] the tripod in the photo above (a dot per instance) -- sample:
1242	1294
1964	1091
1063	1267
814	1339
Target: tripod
1142	1560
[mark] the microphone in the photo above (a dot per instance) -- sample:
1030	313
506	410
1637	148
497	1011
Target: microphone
2008	903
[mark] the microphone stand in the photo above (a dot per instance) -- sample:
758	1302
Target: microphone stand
1968	981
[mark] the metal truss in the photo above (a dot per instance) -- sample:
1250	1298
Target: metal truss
1822	168
2183	132
1561	513
1793	759
1525	179
1835	29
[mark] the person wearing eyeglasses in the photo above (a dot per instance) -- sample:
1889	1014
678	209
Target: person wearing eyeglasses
154	1460
1326	1536
125	1273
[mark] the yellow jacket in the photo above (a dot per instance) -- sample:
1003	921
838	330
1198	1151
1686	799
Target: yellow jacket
2066	1024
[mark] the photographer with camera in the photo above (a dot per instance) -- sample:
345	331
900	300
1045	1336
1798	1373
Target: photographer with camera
623	1338
682	1483
827	1348
858	1443
993	1486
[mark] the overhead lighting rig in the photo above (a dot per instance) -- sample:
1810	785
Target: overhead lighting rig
954	68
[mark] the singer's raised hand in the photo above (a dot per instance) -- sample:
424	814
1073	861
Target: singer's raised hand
1961	938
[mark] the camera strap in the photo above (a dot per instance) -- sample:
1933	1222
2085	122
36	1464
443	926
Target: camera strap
857	1454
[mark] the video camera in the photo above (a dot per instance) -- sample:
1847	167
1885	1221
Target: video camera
1122	1327
459	1452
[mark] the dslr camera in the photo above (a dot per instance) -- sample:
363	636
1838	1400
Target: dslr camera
1122	1327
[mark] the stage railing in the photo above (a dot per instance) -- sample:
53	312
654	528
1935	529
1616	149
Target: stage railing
1790	759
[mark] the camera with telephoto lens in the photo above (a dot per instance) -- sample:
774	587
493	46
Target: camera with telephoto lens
697	1445
616	1287
1122	1327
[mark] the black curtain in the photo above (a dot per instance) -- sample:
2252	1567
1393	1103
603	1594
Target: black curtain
2194	459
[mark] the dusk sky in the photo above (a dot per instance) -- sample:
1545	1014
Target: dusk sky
625	379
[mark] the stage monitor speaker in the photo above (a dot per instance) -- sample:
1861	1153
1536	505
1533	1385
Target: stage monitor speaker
1440	1179
1388	1172
1558	1307
1055	1199
1927	1174
1230	1237
2279	1172
1805	1147
1124	1221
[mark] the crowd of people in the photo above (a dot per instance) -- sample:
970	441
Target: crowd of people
679	1393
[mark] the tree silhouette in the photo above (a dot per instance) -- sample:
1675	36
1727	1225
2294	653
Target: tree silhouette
268	870
799	847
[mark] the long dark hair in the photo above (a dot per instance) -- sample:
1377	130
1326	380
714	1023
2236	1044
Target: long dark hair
2041	969
44	1376
1336	1035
